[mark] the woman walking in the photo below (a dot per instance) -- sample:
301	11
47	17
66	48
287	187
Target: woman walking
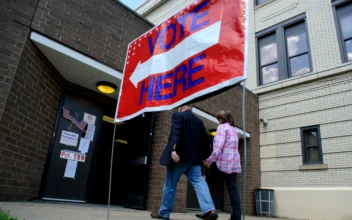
227	158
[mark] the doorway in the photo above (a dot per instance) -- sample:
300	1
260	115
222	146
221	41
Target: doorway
130	163
91	180
66	179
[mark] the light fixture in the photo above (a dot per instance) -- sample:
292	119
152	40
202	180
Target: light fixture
212	132
106	87
265	121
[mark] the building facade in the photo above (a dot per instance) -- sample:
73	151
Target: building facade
305	148
300	68
54	55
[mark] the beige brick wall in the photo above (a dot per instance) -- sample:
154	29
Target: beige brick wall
311	99
321	31
326	102
166	10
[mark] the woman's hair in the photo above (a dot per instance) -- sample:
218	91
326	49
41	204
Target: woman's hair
226	116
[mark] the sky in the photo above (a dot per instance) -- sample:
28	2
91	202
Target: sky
133	4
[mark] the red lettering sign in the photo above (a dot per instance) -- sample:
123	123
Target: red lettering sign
195	52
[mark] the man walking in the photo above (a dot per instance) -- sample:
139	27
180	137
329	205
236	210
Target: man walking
183	154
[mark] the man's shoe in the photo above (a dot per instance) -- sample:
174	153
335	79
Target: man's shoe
157	216
199	216
212	215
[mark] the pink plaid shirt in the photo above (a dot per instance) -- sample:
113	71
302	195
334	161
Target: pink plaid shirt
225	149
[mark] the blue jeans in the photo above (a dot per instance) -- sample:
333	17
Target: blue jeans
194	175
234	196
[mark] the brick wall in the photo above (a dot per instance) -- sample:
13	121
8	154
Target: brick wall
30	88
321	29
14	15
27	124
231	99
325	102
100	29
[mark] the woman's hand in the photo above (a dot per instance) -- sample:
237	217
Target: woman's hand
206	163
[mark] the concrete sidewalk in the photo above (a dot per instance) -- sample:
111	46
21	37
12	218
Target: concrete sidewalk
67	211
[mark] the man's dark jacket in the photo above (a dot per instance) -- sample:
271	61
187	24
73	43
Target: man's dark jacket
189	138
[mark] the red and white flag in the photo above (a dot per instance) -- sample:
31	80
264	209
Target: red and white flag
71	116
197	51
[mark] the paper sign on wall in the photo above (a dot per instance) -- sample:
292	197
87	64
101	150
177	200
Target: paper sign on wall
69	138
90	132
71	167
90	119
84	145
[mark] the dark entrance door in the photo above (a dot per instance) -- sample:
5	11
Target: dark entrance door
139	141
130	166
56	186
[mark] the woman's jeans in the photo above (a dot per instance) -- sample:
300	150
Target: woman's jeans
216	178
234	196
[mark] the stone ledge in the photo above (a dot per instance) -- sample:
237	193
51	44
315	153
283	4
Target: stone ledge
313	167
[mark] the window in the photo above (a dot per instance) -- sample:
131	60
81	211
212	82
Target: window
283	51
311	145
343	15
259	2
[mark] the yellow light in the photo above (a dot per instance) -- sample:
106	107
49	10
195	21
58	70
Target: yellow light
111	120
121	141
213	133
106	89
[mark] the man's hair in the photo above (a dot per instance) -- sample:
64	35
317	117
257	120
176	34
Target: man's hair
226	116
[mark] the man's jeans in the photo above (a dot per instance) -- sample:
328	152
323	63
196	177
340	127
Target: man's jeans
194	175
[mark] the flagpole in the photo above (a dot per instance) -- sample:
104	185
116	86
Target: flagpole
112	159
245	71
245	149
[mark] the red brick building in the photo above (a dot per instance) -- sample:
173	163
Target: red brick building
52	55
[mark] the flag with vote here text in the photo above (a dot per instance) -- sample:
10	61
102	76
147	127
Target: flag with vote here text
197	51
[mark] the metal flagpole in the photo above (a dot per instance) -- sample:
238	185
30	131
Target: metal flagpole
245	149
112	159
245	69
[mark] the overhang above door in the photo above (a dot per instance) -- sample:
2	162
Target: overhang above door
76	67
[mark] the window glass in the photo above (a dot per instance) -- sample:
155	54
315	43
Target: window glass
299	65
346	26
270	73
297	44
